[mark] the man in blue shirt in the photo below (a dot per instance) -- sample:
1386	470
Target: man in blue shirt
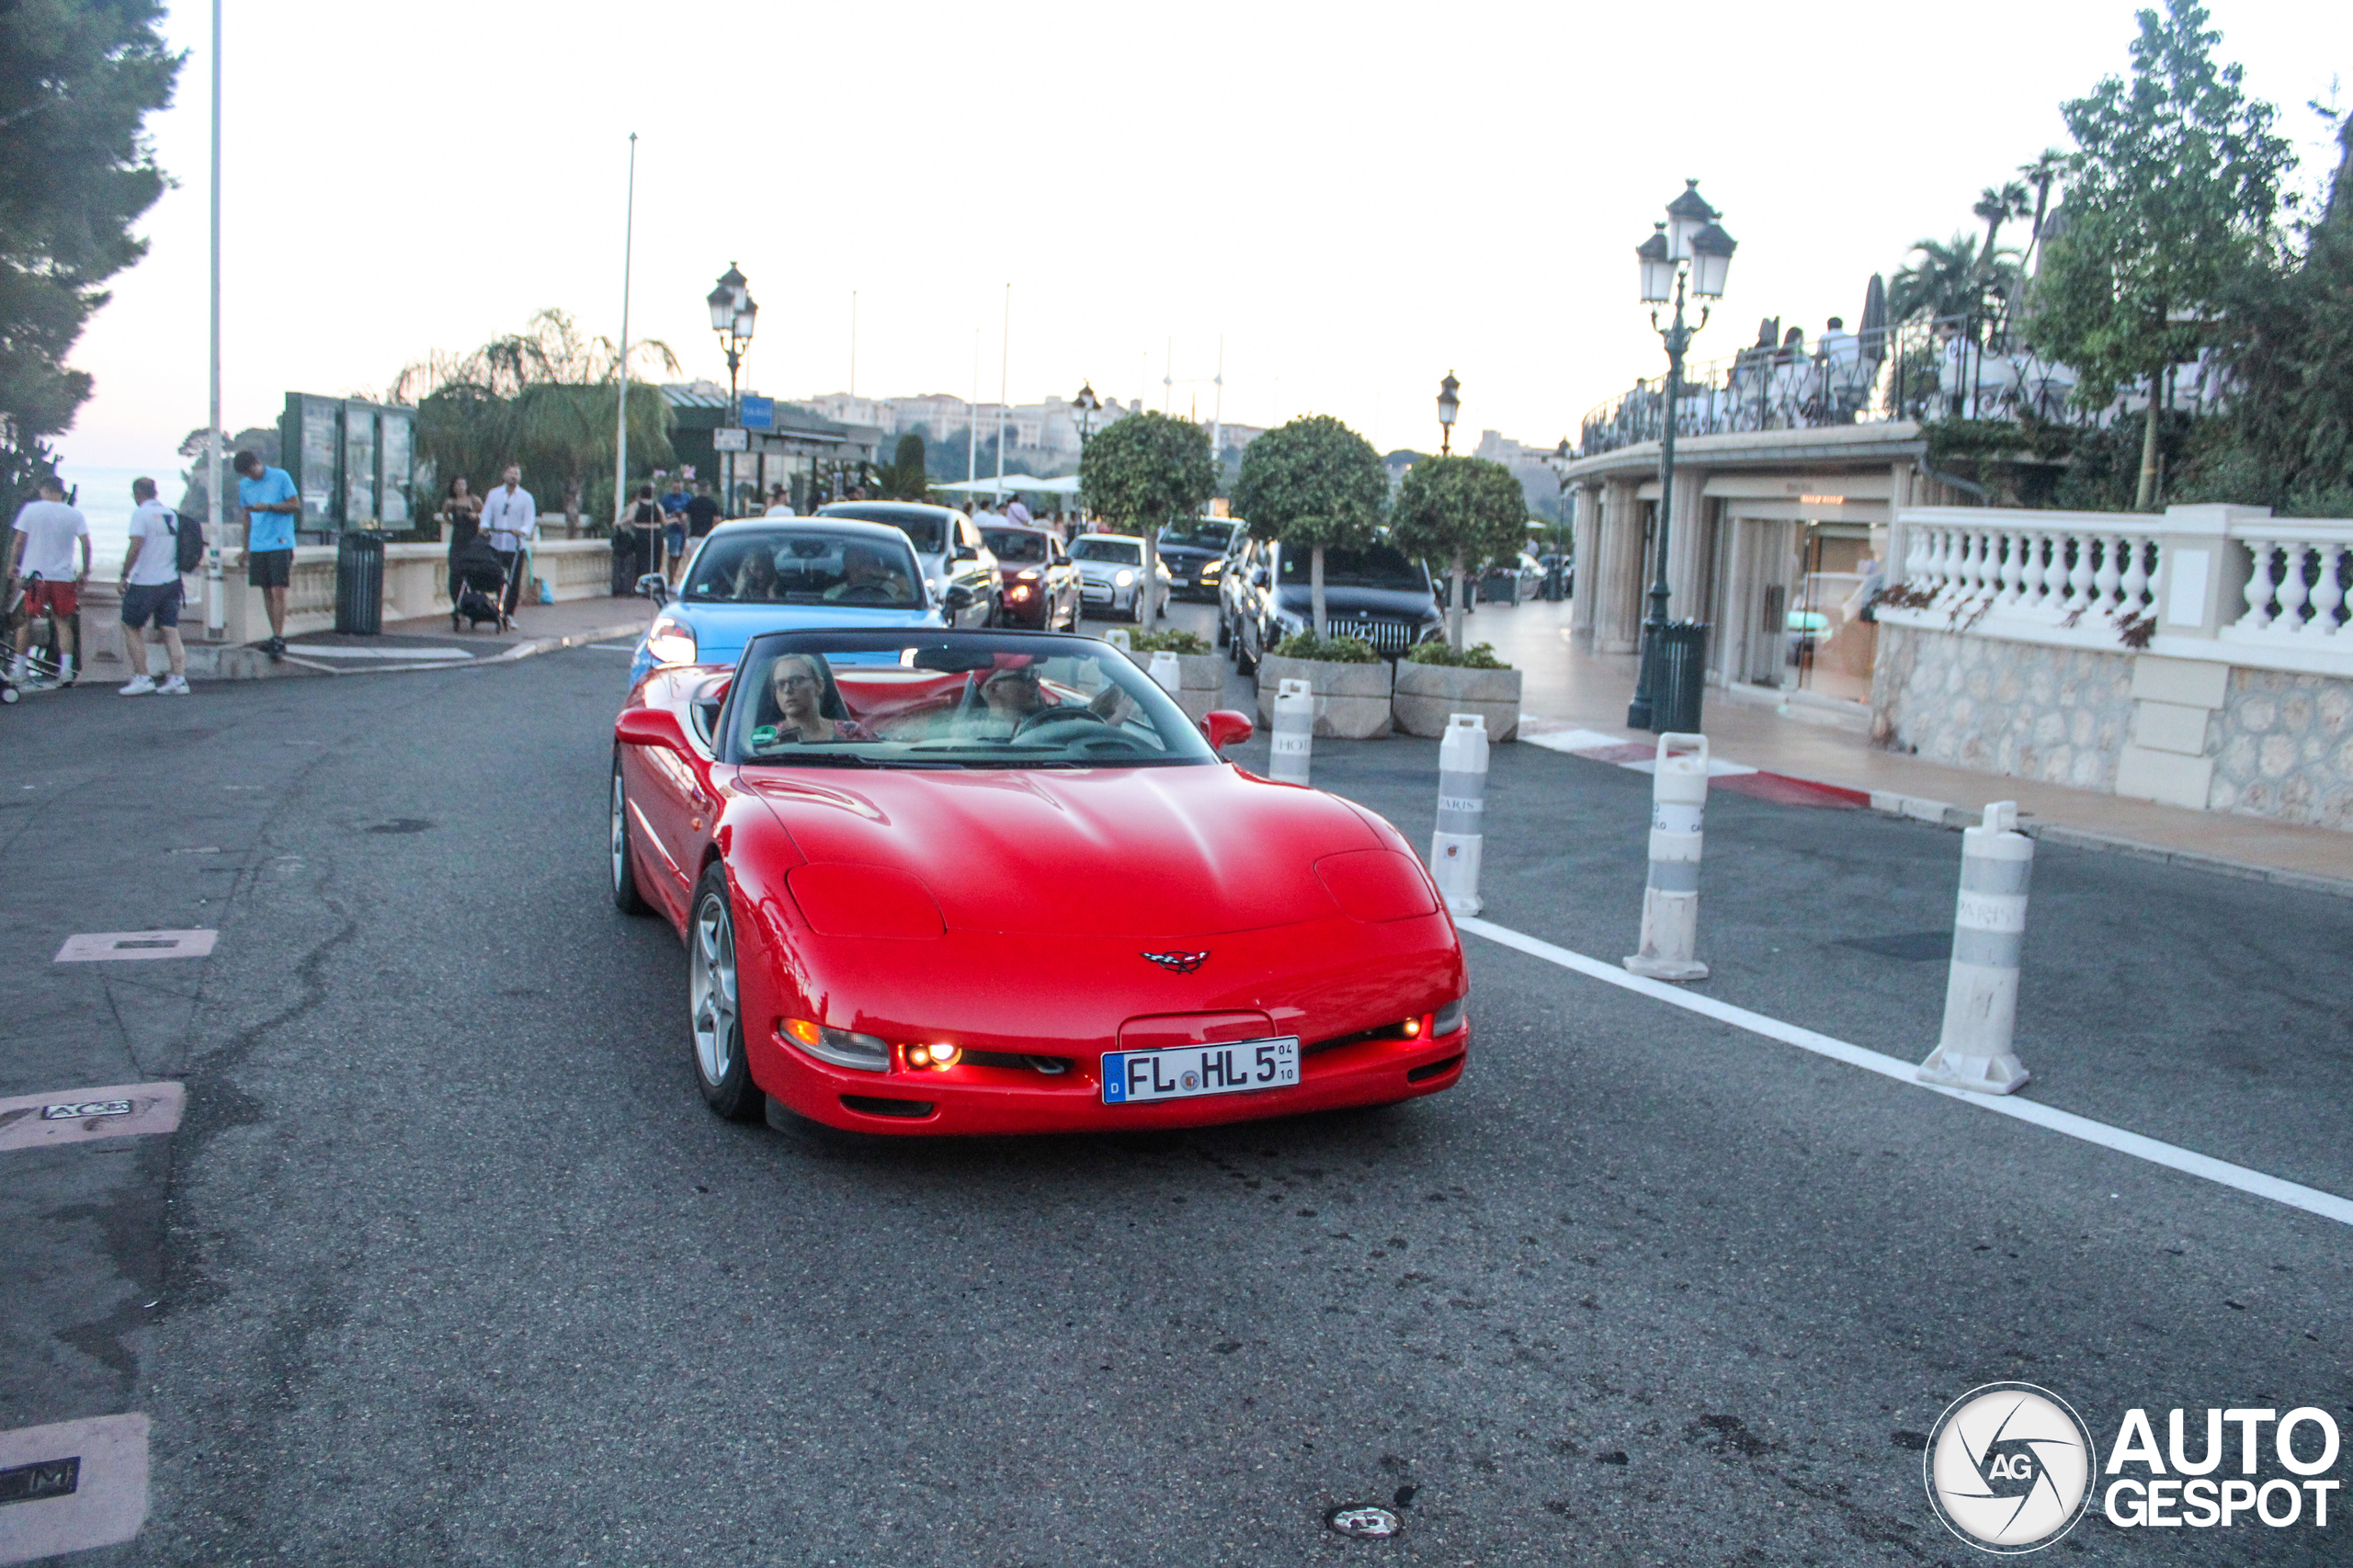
271	504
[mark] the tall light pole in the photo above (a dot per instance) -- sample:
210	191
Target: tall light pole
732	314
620	365
215	589
1688	247
1449	403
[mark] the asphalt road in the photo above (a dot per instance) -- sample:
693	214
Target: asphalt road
449	1265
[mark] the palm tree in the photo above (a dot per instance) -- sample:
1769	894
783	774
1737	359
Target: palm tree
2041	173
1938	279
1997	206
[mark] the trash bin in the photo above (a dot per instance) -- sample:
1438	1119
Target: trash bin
360	584
1555	583
1680	677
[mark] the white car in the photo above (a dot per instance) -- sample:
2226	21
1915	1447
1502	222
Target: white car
1110	573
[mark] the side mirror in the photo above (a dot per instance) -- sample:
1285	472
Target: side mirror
649	727
1258	576
958	599
655	586
1225	728
963	553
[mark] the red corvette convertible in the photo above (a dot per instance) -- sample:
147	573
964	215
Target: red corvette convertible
941	881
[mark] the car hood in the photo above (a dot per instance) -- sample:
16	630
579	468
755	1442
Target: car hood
1401	605
722	630
1109	852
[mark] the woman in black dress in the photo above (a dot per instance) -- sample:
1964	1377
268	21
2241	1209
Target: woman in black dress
462	509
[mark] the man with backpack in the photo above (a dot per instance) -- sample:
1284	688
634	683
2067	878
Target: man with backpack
163	545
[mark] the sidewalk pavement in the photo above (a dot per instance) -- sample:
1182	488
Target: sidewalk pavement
1576	702
427	642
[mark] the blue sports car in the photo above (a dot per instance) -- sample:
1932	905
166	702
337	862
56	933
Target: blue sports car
788	574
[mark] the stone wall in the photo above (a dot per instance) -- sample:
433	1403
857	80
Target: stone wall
2283	747
2268	743
2059	715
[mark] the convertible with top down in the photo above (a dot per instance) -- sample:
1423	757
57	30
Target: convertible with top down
937	881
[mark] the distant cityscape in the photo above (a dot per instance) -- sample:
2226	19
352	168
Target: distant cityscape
1042	437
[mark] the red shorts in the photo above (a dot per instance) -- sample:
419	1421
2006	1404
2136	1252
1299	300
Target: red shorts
48	597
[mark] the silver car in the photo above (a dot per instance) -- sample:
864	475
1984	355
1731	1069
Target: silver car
1111	574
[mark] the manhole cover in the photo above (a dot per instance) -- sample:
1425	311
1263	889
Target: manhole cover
1364	1521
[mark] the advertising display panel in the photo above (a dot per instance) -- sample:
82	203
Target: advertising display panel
358	465
311	444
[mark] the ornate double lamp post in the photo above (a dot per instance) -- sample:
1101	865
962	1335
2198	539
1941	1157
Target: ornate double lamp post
1449	403
732	314
1086	406
1688	248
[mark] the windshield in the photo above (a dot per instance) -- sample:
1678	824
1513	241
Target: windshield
804	566
953	700
925	528
1116	551
1016	547
1382	566
1198	536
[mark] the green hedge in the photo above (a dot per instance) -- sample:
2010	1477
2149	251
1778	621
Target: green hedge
1327	650
1479	657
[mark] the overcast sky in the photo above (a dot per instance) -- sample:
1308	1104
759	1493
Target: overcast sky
1356	198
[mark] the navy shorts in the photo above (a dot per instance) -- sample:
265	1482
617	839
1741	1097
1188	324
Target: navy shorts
269	568
160	601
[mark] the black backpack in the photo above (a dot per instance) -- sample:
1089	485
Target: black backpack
189	534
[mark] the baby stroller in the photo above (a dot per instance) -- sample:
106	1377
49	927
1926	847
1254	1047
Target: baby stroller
481	586
42	663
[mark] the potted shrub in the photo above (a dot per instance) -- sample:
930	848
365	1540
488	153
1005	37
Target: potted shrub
1352	682
1462	511
1434	680
1201	678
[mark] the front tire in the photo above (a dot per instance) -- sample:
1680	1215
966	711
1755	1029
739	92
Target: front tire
714	1004
626	898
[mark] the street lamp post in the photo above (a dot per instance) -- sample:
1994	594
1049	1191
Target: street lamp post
732	315
1088	405
1448	405
1687	247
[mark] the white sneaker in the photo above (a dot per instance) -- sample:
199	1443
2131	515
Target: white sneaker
140	686
174	686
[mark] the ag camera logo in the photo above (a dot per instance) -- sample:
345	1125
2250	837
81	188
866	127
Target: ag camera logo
2009	1467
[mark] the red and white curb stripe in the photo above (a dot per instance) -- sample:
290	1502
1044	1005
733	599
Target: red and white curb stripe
1641	756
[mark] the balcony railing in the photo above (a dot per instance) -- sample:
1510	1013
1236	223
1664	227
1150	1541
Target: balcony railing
1950	368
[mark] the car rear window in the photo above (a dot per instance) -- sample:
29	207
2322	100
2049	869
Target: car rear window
926	529
1017	547
1113	551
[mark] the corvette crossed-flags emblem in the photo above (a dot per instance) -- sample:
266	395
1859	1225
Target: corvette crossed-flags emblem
1183	963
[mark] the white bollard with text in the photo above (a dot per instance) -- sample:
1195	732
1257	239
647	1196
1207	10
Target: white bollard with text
1461	812
1671	896
1294	732
1989	930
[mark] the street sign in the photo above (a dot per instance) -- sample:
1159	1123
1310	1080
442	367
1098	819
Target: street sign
759	414
727	440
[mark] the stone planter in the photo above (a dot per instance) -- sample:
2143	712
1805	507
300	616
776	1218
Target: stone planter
1427	693
1351	700
1201	681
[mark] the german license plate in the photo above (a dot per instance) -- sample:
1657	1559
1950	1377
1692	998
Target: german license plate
1184	1071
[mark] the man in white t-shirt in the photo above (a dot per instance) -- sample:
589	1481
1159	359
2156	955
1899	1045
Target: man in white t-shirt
1018	514
985	515
510	520
151	592
47	532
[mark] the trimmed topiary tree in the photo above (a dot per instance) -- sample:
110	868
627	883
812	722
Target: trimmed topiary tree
1313	484
1144	473
1463	511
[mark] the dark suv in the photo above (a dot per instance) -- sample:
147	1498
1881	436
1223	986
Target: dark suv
1376	594
1194	553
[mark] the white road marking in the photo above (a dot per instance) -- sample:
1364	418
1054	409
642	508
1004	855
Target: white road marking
327	651
92	946
69	1115
71	1487
2173	1157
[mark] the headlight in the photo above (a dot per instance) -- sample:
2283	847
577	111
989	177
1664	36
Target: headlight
1213	569
670	641
864	1051
1125	579
1029	575
1450	1018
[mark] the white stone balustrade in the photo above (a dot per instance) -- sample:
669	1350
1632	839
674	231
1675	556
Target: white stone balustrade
2221	583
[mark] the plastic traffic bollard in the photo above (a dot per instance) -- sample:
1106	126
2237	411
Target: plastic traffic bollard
1671	896
1461	812
1294	731
1988	929
1166	673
